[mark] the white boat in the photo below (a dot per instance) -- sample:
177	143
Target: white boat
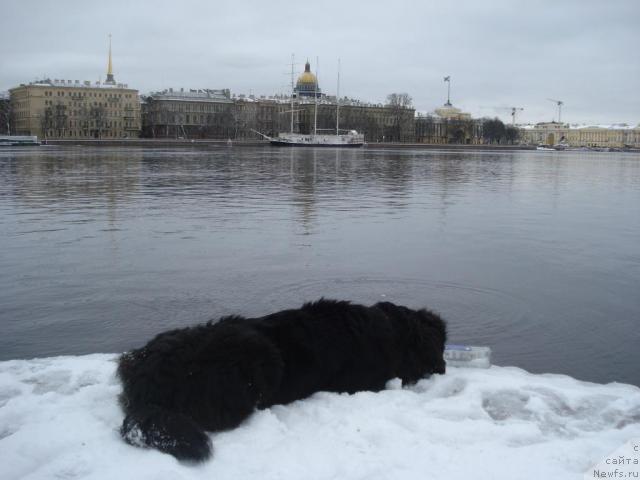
556	147
348	138
18	140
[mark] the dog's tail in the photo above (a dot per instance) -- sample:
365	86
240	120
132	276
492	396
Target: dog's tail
167	431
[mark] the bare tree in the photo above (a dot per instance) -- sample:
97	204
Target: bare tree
399	100
47	122
400	105
511	134
493	130
371	128
426	129
146	117
98	118
60	119
226	120
244	120
5	115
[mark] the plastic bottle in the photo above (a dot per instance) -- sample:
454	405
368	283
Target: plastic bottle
467	356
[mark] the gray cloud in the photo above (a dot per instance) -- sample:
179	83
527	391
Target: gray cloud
500	54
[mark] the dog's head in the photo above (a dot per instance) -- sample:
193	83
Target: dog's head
438	330
424	330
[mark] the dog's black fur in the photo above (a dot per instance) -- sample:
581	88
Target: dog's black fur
211	377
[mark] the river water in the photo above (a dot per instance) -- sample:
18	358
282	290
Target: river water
536	254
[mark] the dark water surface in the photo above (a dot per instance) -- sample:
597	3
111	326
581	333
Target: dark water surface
536	254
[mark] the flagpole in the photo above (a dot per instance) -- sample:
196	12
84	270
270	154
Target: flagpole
448	80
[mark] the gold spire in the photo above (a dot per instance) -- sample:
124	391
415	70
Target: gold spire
110	80
110	68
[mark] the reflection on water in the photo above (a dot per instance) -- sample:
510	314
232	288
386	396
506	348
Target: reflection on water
534	253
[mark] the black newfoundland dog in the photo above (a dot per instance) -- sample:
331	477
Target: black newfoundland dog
211	377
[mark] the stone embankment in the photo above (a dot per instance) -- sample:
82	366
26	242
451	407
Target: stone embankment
156	142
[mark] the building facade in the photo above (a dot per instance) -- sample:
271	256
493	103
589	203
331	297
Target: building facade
215	114
202	113
447	125
314	110
5	114
594	136
378	123
62	109
59	109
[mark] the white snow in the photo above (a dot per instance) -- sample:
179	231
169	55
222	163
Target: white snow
59	418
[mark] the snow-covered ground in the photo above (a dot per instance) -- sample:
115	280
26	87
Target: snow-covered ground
59	419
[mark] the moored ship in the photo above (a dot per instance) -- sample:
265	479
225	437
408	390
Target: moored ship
18	140
349	139
307	86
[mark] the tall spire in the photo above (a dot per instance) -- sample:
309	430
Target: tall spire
110	80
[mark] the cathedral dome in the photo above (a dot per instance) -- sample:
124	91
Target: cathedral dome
306	85
307	78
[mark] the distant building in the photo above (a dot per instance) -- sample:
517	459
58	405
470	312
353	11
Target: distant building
378	123
203	113
215	114
62	109
599	136
448	124
307	84
5	114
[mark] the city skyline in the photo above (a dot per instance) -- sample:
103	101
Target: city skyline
509	55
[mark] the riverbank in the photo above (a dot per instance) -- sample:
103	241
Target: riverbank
60	417
163	143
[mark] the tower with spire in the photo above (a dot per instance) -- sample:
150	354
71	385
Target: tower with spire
110	80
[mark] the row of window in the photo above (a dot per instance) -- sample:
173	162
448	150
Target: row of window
92	123
586	136
179	119
81	104
74	93
87	133
193	107
106	113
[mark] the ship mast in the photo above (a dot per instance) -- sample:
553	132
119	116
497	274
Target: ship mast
338	102
292	88
315	95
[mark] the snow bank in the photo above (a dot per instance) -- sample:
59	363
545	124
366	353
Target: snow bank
59	419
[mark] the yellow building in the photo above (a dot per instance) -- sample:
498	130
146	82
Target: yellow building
448	124
62	109
598	136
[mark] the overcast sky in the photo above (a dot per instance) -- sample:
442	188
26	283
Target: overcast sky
499	53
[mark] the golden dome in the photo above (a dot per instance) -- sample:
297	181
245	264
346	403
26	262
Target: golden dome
307	85
307	78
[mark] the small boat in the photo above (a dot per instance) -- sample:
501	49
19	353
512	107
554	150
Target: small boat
18	140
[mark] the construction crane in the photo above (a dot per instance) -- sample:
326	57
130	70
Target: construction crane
559	103
514	112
